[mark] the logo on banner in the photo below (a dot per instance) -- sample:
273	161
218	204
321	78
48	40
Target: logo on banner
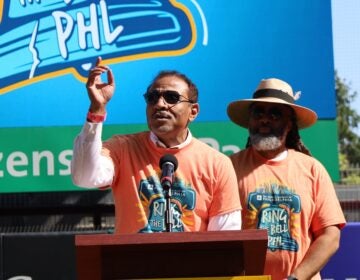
44	39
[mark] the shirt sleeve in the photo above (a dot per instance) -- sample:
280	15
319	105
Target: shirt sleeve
328	209
228	221
226	197
90	169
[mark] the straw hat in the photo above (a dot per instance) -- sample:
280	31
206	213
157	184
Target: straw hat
272	91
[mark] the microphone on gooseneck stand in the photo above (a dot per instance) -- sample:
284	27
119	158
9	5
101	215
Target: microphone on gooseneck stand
168	164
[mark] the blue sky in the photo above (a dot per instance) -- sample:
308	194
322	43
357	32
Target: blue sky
346	38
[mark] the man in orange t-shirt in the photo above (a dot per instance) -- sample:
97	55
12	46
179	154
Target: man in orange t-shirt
204	193
282	188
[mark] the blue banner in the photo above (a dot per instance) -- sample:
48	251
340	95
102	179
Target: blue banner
226	47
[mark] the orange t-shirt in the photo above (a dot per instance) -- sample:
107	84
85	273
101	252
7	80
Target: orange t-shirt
204	185
290	198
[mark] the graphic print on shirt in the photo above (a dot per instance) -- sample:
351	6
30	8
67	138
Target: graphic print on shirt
276	207
152	196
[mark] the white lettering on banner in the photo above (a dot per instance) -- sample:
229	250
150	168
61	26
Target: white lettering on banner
18	163
17	159
63	35
65	160
36	162
230	148
215	144
65	24
92	28
47	163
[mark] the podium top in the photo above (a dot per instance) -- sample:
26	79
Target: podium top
171	237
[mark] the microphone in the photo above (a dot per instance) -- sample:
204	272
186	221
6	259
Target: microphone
168	164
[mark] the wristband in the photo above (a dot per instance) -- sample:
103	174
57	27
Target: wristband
94	118
290	277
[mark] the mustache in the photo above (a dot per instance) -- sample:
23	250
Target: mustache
273	132
161	114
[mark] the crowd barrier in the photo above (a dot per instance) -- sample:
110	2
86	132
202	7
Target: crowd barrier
345	264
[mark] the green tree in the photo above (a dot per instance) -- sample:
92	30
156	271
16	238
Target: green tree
347	119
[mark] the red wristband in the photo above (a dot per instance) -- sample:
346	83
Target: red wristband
94	118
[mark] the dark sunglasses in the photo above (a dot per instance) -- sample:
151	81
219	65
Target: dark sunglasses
273	113
170	96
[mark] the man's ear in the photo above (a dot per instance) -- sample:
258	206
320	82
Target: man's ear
195	109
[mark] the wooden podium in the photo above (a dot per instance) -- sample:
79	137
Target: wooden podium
170	255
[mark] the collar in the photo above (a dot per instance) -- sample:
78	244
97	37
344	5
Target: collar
158	142
280	156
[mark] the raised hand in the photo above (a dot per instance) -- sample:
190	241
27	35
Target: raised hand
100	92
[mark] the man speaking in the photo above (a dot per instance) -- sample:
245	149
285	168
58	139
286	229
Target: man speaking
204	188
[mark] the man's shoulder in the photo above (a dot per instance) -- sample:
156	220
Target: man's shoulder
301	156
199	144
305	159
206	151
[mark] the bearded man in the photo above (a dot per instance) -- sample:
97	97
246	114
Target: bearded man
282	187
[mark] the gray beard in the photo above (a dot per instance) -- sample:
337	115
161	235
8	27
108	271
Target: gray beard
265	143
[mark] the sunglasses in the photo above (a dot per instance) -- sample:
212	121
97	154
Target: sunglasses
273	113
170	96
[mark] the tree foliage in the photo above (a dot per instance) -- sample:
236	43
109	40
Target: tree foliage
347	119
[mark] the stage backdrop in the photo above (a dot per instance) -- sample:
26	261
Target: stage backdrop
226	47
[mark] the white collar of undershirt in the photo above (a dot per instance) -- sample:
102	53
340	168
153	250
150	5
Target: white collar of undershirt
158	142
280	156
